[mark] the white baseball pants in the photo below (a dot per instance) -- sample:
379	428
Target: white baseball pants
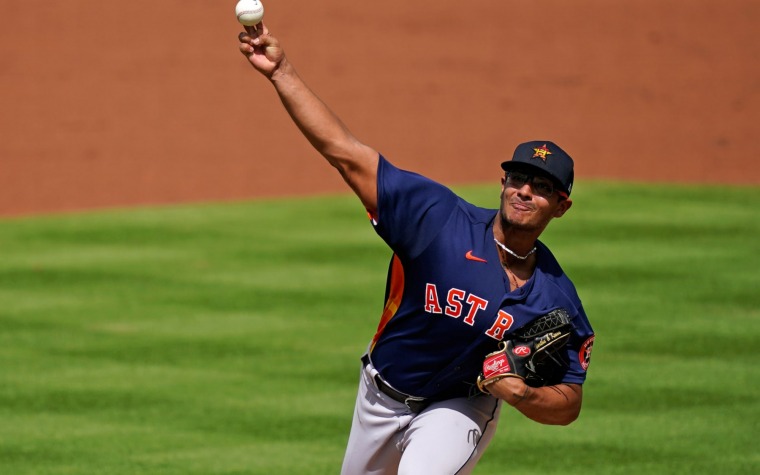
447	437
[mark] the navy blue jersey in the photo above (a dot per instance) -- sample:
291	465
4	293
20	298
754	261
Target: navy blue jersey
448	299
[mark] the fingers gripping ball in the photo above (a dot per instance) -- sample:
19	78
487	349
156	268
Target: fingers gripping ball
532	354
249	12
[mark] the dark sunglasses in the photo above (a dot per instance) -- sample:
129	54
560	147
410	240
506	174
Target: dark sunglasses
542	186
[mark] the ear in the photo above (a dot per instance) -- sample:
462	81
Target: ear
562	207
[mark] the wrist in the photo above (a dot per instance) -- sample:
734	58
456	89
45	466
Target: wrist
520	398
281	71
513	390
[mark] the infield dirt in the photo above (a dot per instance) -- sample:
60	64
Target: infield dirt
150	102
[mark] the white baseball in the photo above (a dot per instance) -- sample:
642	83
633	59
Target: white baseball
249	12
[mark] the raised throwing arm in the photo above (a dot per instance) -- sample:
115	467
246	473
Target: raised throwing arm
355	161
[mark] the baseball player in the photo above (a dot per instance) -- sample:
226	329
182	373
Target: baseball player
463	285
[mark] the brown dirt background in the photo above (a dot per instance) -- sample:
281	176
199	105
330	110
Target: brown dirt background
113	104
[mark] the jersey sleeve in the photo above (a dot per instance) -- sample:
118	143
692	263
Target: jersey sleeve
412	209
577	354
555	289
579	349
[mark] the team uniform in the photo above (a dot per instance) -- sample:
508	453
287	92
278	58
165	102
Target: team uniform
448	304
421	407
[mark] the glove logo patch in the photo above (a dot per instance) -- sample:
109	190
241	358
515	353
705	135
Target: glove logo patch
497	364
521	350
584	355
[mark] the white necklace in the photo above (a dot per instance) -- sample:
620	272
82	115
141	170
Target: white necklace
513	253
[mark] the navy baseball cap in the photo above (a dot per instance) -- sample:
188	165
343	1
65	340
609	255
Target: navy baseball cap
547	157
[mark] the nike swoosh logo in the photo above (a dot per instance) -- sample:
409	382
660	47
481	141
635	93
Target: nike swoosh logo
474	258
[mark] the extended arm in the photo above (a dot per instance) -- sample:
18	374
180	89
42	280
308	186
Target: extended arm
355	161
559	404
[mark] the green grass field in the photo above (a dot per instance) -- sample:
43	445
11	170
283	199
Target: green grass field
224	339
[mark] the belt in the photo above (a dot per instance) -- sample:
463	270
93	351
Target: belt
415	404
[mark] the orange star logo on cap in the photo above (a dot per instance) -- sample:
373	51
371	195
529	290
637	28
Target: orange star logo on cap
541	152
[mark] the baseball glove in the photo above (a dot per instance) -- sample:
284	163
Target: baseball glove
533	354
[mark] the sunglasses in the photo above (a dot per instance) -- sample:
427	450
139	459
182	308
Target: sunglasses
542	186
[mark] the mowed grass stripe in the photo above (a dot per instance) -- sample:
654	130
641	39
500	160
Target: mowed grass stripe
225	338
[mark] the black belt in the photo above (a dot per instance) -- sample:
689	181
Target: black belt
415	404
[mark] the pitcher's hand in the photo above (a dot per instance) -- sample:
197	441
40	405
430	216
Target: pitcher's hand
262	50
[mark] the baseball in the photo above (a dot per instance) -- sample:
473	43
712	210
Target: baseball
249	12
